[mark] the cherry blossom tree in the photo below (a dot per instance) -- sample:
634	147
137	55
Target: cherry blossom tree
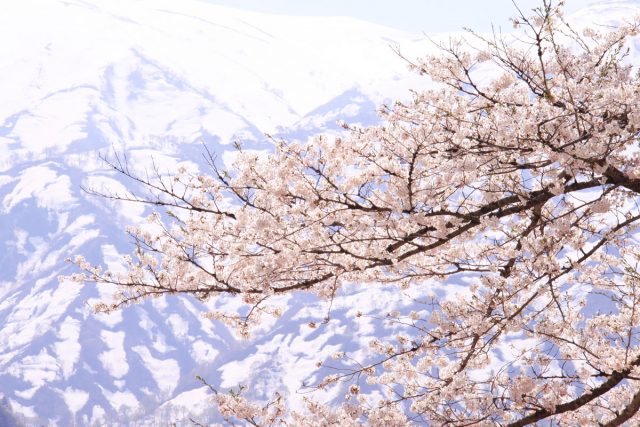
525	186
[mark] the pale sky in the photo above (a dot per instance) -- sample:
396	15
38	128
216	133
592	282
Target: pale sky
410	15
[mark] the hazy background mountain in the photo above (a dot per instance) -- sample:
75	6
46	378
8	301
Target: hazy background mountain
154	80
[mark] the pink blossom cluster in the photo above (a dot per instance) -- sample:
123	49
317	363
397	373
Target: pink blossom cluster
526	184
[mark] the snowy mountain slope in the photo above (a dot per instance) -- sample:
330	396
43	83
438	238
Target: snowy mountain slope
155	80
151	79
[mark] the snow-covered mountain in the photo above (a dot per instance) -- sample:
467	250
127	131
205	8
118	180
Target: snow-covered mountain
156	79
